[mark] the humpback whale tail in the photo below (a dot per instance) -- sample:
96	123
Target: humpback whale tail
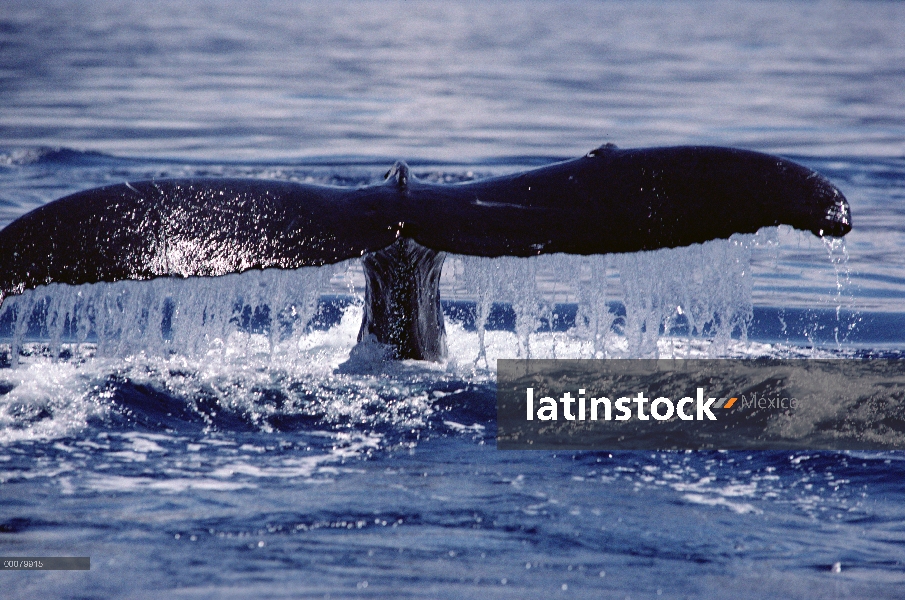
610	200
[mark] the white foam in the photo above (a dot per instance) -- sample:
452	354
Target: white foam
737	507
51	400
121	483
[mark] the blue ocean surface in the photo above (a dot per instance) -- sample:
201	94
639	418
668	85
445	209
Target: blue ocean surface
226	438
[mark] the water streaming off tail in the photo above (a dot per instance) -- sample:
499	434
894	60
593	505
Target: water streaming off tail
619	305
163	316
594	306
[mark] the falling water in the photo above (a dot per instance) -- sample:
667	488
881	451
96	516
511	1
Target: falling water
192	316
605	306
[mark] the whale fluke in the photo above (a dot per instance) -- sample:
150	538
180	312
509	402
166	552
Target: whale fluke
616	200
610	200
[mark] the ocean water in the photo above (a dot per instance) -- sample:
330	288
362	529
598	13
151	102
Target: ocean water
225	438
